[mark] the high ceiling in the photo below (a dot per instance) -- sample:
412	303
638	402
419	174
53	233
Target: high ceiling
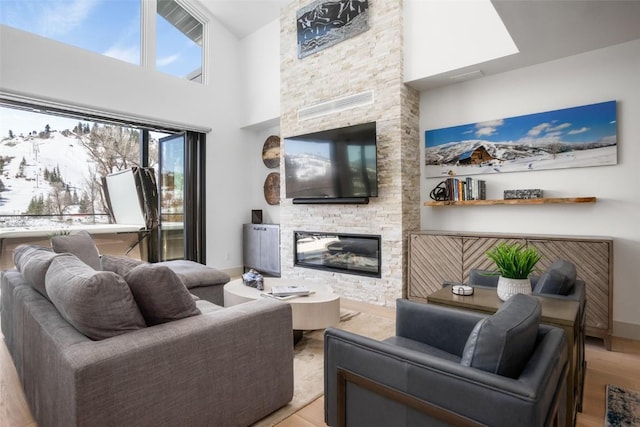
543	30
242	17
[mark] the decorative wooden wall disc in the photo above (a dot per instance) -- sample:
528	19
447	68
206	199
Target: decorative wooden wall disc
271	152
272	188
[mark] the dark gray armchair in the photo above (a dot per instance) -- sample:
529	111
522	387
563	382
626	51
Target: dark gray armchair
449	367
558	281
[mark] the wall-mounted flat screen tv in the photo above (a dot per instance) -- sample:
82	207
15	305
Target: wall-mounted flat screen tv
332	164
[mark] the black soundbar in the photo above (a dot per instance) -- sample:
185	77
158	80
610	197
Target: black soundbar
331	201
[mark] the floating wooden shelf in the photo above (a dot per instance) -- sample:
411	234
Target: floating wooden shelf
541	201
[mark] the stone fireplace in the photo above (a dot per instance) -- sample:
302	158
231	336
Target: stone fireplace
371	62
343	253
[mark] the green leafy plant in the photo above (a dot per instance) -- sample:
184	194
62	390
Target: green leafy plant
514	261
61	232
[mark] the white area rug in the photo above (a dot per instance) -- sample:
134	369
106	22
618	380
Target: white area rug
308	361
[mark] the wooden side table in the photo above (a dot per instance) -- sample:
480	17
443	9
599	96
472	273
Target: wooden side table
555	312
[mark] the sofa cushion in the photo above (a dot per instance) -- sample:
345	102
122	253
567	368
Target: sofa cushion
33	262
503	343
119	264
160	294
99	304
559	279
194	274
80	244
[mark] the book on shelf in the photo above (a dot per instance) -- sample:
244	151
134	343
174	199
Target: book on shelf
465	189
284	291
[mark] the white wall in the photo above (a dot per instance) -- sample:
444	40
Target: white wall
227	154
607	74
260	74
441	36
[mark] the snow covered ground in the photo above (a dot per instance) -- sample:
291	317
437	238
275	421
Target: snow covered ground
59	151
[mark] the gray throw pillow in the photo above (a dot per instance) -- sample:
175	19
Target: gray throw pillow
160	294
22	252
33	262
559	279
99	304
80	244
483	278
119	264
502	343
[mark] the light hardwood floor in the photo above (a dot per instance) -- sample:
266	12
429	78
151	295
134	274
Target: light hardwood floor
621	367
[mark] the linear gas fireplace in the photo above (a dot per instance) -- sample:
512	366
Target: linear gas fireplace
344	253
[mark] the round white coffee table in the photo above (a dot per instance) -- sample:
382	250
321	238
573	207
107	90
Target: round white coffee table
318	310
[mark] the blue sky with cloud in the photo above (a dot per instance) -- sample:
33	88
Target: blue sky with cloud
108	27
588	123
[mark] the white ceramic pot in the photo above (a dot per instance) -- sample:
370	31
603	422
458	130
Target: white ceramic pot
509	287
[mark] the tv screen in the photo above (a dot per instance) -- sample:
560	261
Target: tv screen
332	164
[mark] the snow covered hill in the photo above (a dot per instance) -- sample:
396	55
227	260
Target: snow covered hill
57	151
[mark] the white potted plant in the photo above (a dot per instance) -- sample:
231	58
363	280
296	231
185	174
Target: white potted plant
514	263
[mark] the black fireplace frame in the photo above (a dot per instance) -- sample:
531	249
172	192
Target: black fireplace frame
297	262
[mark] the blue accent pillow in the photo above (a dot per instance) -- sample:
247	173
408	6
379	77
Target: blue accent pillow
502	344
559	279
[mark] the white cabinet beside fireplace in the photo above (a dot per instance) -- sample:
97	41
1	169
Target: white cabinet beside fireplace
261	248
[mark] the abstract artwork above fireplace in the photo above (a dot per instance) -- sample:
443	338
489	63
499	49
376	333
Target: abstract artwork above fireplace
324	23
344	253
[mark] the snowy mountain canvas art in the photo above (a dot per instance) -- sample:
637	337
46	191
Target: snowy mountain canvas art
572	137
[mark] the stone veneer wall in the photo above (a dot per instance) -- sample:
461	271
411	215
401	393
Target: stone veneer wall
372	60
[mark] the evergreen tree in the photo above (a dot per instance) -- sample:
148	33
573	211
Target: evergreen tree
10	134
20	173
36	206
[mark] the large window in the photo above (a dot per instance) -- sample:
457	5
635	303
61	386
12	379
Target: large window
51	166
115	28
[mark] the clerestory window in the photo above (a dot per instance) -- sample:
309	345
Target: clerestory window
122	29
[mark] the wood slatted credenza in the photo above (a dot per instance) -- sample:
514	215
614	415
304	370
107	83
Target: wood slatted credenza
436	256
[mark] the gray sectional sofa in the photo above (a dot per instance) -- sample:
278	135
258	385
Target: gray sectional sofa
96	348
